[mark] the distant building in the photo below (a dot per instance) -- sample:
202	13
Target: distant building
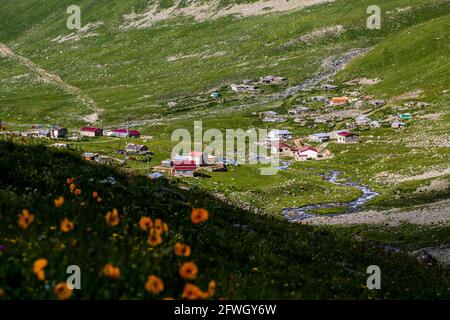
124	133
281	147
405	116
57	133
199	158
136	148
91	132
328	87
337	101
307	153
334	134
398	125
243	88
89	156
184	168
272	80
362	120
279	135
375	124
215	95
347	137
319	137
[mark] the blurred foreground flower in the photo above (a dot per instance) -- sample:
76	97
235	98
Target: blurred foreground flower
25	219
154	284
38	268
66	225
59	201
111	272
112	218
145	223
182	250
154	239
199	215
188	271
62	291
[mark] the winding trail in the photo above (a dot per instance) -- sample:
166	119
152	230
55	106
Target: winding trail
54	79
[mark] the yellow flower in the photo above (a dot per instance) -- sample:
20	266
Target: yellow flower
154	284
111	272
112	218
59	201
182	250
25	219
66	225
154	238
62	291
199	215
38	268
145	223
188	271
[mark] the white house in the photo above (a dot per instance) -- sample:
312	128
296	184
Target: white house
362	120
279	134
347	137
319	137
306	153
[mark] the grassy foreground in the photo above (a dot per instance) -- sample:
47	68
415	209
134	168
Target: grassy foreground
248	256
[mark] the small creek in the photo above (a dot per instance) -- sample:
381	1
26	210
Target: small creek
301	213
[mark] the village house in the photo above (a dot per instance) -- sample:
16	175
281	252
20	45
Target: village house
124	133
306	153
184	168
362	120
398	125
199	158
377	103
274	119
91	132
215	95
280	148
57	133
272	80
243	88
338	101
334	134
347	137
375	124
268	113
136	148
279	135
319	137
89	156
405	116
328	87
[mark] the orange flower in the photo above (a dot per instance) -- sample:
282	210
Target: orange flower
112	218
165	227
59	201
154	284
99	199
70	180
154	238
2	293
66	225
95	194
199	215
25	219
191	292
38	268
145	223
182	250
62	291
72	187
159	225
111	272
77	192
211	288
188	271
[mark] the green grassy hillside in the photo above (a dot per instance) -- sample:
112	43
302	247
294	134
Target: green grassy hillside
249	256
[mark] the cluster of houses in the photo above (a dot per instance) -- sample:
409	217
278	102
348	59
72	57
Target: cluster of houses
98	132
253	85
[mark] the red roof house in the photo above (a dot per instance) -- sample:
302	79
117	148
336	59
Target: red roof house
184	168
91	132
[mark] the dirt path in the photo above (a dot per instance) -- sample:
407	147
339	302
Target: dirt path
435	213
54	79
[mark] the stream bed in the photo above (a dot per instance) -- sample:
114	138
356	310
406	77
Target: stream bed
301	213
